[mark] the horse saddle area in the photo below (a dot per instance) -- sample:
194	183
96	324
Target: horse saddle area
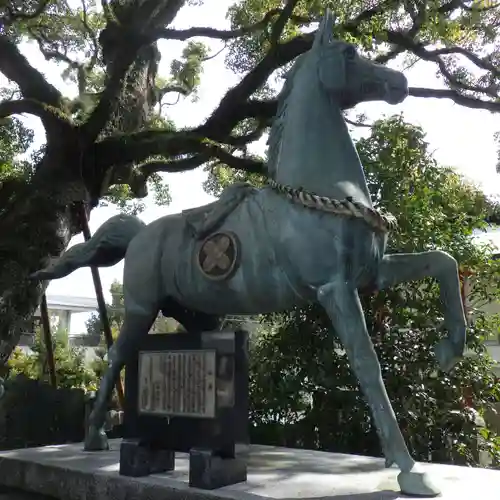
217	257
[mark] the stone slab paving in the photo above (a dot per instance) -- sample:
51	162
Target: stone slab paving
66	472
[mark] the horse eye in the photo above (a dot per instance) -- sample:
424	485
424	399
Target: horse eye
350	52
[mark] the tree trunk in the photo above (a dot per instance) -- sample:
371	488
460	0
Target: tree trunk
36	229
41	221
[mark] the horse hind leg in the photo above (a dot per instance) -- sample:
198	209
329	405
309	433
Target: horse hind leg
341	302
401	268
135	326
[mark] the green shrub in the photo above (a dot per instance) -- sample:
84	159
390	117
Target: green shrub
72	370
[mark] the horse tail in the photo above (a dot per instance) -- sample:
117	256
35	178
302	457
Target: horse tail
106	248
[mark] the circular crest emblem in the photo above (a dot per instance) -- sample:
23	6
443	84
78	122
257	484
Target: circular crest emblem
218	257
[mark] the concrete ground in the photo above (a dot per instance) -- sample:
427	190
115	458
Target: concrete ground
68	473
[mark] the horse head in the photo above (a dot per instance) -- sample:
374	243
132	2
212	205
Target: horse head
349	77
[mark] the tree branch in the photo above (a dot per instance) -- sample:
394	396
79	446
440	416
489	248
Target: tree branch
478	61
406	41
208	152
106	9
31	82
237	105
224	118
463	100
179	89
52	54
17	15
32	107
283	18
92	35
358	124
109	96
135	148
121	43
173	166
248	164
205	32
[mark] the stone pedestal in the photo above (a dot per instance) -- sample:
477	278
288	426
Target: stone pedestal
188	393
209	472
141	459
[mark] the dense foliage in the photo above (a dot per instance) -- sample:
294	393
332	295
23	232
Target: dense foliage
303	393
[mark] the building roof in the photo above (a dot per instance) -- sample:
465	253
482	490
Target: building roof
71	303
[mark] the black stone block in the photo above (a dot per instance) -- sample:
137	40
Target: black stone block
179	433
209	472
139	459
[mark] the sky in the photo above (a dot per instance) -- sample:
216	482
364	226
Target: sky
460	137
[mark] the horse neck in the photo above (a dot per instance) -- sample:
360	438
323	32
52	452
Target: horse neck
316	150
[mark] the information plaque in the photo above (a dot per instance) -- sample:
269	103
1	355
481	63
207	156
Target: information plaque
178	383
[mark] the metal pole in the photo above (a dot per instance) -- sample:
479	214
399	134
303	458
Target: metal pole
44	312
103	312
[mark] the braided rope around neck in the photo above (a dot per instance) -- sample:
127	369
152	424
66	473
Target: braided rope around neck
382	222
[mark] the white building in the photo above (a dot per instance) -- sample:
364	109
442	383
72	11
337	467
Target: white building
61	308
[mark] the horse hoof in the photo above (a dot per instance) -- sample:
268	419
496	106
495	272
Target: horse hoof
446	355
417	484
96	440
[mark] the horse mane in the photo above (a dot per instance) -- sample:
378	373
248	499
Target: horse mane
276	132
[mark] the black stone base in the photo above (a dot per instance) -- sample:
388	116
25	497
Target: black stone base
209	472
139	459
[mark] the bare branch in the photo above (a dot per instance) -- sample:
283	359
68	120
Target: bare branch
421	51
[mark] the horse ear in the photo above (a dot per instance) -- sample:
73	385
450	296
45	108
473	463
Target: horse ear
324	35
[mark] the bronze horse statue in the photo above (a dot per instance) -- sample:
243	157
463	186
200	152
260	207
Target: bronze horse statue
310	235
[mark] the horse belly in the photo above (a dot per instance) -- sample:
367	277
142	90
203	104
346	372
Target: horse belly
258	284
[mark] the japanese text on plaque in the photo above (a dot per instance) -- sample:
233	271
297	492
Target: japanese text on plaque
177	383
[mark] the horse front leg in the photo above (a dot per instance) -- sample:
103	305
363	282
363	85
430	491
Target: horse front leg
401	268
341	301
135	326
